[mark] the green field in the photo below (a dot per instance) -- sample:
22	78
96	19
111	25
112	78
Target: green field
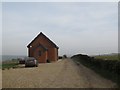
9	64
107	57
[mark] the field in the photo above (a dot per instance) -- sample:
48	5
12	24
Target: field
9	64
108	57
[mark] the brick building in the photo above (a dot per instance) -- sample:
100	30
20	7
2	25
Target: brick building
43	49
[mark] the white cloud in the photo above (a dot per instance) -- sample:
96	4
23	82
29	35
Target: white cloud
60	0
75	27
0	29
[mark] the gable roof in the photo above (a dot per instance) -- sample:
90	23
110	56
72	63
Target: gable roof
41	34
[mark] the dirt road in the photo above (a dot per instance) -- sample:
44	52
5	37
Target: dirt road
61	74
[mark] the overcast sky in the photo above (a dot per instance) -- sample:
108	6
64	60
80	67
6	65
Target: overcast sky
0	30
87	28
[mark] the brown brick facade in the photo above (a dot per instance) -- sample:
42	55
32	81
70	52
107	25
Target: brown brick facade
43	49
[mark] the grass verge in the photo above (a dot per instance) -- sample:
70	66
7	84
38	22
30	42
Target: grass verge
9	64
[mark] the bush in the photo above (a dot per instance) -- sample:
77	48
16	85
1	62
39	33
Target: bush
110	65
60	57
108	68
21	61
64	56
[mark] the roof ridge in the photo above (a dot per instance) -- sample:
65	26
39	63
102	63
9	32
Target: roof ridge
45	37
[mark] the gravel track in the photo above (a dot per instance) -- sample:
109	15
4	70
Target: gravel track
61	74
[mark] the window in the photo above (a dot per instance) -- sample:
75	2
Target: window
39	53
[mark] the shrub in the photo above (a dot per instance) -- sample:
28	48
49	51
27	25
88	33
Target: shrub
60	57
107	68
109	65
64	56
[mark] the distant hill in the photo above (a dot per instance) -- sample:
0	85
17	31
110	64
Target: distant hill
10	57
112	56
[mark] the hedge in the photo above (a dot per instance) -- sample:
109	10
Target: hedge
112	66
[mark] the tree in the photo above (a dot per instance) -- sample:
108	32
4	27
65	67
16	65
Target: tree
64	56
